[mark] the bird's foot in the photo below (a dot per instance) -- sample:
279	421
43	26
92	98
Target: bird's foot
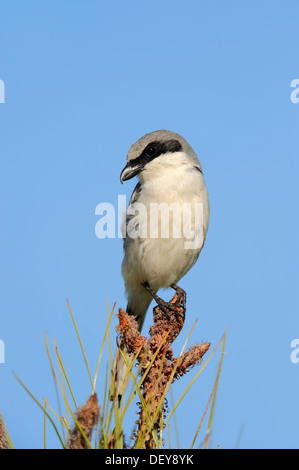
180	298
177	304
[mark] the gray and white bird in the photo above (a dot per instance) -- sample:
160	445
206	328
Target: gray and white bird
169	173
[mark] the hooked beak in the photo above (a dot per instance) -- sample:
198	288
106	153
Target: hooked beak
129	171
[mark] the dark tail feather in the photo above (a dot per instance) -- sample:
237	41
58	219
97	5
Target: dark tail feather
141	303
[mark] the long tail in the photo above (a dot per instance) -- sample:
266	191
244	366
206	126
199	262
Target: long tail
137	306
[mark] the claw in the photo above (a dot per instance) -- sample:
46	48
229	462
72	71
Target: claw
177	302
181	295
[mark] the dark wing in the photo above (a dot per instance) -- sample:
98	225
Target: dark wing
133	199
135	193
198	168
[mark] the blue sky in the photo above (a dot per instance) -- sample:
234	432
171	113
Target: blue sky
83	81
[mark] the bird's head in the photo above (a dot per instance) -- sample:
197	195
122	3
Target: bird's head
156	150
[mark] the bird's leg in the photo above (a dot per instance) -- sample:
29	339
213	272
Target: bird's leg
182	296
165	306
160	302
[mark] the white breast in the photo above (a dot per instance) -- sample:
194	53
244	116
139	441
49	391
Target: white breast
156	256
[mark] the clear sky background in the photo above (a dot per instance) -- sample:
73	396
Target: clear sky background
83	81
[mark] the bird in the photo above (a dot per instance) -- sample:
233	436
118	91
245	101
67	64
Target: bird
170	177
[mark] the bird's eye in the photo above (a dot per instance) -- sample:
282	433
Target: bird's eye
150	150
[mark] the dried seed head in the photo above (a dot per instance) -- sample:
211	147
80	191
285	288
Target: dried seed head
87	416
